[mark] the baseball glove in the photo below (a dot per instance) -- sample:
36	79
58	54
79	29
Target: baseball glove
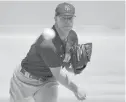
80	56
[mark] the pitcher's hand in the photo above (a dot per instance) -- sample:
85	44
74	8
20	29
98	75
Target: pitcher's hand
80	94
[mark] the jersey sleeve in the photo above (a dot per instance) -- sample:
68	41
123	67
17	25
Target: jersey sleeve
48	53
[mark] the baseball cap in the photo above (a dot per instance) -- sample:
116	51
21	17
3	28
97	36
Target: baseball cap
65	9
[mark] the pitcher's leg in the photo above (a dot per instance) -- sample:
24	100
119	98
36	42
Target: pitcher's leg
15	92
20	91
48	93
27	99
23	89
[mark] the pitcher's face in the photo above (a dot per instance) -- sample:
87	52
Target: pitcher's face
65	23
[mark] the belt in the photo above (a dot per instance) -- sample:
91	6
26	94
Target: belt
29	75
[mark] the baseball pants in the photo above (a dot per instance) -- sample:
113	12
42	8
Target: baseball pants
26	89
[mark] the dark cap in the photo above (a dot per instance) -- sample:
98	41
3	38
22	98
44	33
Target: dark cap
65	9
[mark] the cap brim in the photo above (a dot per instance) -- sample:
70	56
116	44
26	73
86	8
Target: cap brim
67	14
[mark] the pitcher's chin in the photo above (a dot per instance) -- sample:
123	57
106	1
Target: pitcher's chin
67	29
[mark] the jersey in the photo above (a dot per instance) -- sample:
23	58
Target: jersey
44	54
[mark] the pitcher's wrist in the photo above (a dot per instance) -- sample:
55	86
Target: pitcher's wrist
73	87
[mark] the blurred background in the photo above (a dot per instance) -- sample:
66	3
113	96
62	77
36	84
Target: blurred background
99	22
